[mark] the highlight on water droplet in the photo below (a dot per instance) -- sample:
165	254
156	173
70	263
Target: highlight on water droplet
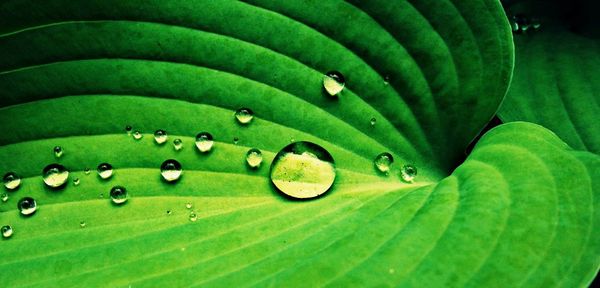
383	162
177	144
105	170
170	170
373	121
204	142
137	135
4	197
7	231
82	224
27	206
254	158
244	115
160	136
76	182
58	151
303	170
193	216
408	173
128	130
118	194
11	180
333	82
55	175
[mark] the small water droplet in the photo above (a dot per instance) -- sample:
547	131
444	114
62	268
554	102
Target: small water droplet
244	115
101	196
7	231
170	170
383	161
169	212
27	206
118	194
204	142
58	151
236	140
188	205
386	80
535	23
193	216
105	170
76	181
303	170
82	224
4	197
137	135
160	136
128	129
177	144
87	171
11	180
373	121
333	82
55	175
408	173
254	158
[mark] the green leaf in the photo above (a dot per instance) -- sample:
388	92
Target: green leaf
557	84
519	210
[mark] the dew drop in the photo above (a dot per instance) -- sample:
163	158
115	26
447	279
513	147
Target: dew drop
333	82
170	170
244	115
4	197
27	206
188	205
169	212
7	231
386	80
235	140
118	194
373	121
303	170
128	130
193	216
137	135
55	175
76	181
160	136
383	161
87	171
177	144
204	142
58	151
254	158
82	224
105	170
11	180
408	173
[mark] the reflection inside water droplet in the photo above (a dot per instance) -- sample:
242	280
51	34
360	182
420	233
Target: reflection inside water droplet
177	144
204	142
244	115
254	158
105	170
333	82
193	217
408	173
76	181
137	135
4	197
27	206
383	162
303	170
170	170
118	194
11	180
55	175
7	231
160	136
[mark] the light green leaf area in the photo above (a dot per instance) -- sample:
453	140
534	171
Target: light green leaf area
521	210
556	84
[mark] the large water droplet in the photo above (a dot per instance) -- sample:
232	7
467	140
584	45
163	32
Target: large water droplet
118	194
408	172
160	136
55	175
58	151
244	115
137	135
7	231
105	170
177	144
128	129
11	180
27	206
204	141
254	158
170	170
333	82
383	161
303	170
